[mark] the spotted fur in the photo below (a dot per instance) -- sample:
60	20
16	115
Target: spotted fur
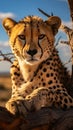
37	74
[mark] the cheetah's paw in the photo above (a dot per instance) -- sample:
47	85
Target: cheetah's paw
17	106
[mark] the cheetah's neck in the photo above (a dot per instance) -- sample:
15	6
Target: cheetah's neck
28	70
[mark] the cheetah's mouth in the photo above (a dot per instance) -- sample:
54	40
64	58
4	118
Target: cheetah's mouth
31	61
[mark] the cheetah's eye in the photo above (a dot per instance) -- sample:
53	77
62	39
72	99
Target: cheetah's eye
22	38
41	36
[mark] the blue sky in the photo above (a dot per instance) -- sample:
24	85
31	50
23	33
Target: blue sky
18	9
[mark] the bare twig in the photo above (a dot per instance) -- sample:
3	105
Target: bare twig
6	57
57	42
43	12
67	61
64	42
70	2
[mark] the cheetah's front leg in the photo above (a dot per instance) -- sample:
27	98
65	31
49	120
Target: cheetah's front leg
37	99
17	106
41	97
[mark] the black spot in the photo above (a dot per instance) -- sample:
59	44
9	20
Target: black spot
50	58
65	100
21	79
26	91
51	68
64	89
44	84
13	87
65	94
43	94
52	64
56	75
29	97
51	99
39	97
16	83
37	86
13	93
58	91
48	94
42	79
48	63
47	75
54	78
12	105
18	69
70	100
19	95
51	92
14	66
56	97
39	77
58	86
13	78
31	80
50	87
40	67
56	81
60	102
39	83
61	97
62	86
50	82
51	74
32	87
54	87
44	70
17	74
41	73
55	70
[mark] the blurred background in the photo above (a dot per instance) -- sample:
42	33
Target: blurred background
18	9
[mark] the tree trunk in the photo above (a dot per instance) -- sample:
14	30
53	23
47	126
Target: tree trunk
70	2
44	119
9	121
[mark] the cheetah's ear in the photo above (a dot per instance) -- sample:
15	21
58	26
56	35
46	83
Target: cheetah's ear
8	24
55	23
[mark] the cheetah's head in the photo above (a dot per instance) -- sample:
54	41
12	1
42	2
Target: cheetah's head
32	39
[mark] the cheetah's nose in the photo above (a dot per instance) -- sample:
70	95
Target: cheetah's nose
32	52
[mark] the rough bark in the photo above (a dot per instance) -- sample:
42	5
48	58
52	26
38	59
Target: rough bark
9	121
45	119
70	2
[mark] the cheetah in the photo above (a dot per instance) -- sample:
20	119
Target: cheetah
35	74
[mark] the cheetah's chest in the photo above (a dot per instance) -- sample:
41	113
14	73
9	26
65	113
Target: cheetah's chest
44	76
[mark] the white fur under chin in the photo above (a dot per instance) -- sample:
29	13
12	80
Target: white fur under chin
27	69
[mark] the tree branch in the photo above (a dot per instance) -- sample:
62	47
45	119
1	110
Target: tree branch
6	57
70	2
43	12
49	118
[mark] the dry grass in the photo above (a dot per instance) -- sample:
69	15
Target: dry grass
5	89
